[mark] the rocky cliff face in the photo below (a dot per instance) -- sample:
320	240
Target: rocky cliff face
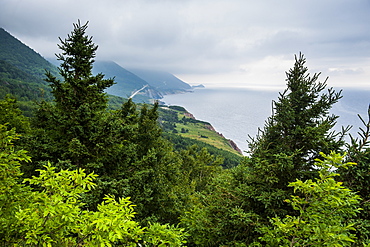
235	147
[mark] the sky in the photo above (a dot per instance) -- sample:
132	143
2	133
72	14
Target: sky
217	43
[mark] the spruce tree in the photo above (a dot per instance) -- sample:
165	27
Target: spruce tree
80	90
293	137
74	122
357	177
301	125
240	202
124	147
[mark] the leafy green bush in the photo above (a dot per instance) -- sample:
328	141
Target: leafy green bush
47	210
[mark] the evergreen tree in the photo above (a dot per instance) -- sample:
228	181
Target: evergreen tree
124	147
237	203
357	178
300	125
80	91
79	99
292	139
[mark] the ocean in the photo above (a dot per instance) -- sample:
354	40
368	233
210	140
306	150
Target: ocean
237	113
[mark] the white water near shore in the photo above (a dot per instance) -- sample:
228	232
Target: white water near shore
238	112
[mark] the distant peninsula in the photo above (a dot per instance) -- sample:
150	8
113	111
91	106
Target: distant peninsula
198	86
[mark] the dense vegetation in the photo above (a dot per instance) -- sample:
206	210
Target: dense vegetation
71	174
23	80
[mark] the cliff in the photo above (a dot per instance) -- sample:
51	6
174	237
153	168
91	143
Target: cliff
231	142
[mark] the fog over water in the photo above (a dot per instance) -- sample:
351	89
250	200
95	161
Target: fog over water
238	112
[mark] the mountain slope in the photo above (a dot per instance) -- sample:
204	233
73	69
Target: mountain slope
22	70
21	84
162	81
126	82
141	84
23	57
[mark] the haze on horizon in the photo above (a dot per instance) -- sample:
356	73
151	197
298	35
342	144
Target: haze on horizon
228	43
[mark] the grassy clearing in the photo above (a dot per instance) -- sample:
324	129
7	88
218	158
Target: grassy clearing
199	131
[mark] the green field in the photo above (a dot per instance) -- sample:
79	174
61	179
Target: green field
177	120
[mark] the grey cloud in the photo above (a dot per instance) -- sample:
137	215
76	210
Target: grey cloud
200	36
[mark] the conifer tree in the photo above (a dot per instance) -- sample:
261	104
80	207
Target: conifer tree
291	140
124	147
357	178
242	200
74	123
300	127
80	91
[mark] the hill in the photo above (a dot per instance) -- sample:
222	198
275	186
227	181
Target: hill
22	70
148	84
127	83
14	52
162	81
177	120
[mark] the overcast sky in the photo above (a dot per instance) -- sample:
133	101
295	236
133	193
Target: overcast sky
214	42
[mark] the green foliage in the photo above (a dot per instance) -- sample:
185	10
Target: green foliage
21	56
12	115
357	178
220	215
325	208
12	193
164	235
55	216
239	202
200	166
52	214
115	102
182	143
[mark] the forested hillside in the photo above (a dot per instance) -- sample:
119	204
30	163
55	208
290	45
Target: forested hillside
13	51
81	174
28	86
22	79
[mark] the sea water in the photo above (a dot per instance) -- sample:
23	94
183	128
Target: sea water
238	113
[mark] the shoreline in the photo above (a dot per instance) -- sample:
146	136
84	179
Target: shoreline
210	127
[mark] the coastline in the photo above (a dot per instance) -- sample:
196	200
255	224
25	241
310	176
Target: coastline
207	125
234	112
231	142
